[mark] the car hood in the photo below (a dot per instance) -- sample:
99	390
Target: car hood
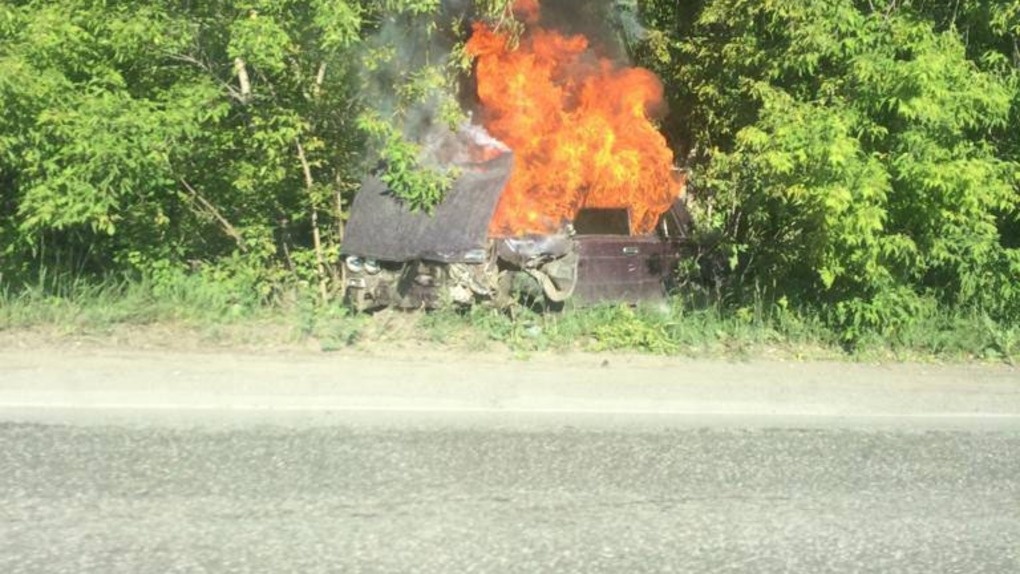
383	227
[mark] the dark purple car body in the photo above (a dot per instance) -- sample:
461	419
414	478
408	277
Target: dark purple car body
630	268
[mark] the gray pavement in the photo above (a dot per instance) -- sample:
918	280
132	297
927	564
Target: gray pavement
151	462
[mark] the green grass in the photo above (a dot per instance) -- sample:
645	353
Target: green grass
74	303
235	313
662	330
758	331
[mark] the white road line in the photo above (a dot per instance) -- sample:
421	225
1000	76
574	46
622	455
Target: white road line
181	407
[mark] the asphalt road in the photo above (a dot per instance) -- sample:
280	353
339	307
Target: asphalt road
802	468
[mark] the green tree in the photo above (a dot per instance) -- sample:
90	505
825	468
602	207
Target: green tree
146	134
852	155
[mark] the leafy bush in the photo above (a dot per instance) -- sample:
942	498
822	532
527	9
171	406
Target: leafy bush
854	157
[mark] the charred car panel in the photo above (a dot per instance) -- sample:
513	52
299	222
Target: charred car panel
382	228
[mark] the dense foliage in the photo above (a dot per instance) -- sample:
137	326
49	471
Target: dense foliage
857	155
157	136
861	157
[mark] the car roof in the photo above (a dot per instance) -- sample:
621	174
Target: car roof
385	228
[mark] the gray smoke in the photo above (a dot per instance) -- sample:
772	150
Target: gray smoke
401	50
613	26
411	48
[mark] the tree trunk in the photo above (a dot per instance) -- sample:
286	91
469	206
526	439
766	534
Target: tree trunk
241	69
320	258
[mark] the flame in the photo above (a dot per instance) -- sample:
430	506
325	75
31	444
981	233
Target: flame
580	127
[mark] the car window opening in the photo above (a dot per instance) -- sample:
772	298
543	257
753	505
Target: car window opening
603	221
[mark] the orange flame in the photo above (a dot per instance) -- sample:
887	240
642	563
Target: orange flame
579	125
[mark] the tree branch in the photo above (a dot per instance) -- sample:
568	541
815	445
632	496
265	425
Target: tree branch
210	209
320	77
232	91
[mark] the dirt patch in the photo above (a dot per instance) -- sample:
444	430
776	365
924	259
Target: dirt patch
390	335
168	337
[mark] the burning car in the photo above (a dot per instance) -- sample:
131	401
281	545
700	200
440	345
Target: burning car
396	257
567	187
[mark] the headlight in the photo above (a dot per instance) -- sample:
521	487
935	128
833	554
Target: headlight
355	264
372	267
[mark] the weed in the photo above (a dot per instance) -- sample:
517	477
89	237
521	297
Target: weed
1003	339
442	326
626	329
235	312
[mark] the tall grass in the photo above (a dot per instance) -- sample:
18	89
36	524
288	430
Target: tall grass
73	302
760	330
193	301
228	310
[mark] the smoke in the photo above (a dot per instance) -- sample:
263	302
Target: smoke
406	75
406	60
469	144
396	66
612	26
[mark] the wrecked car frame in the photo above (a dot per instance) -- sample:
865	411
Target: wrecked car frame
397	258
